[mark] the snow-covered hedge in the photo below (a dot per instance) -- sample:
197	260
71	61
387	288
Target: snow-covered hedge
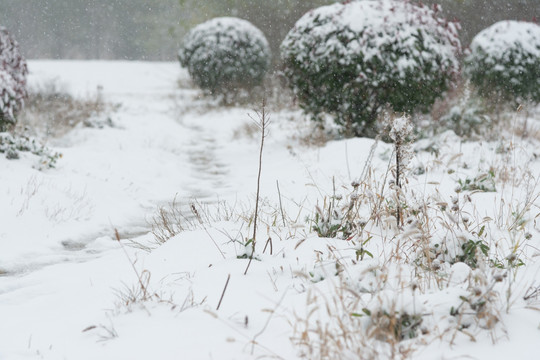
351	59
225	54
505	61
13	72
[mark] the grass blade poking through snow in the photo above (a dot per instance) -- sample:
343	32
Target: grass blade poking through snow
262	123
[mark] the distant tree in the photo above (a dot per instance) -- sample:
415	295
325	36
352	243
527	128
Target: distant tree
476	15
275	18
96	29
144	29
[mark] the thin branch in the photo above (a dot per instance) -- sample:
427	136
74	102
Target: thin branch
263	125
280	203
223	293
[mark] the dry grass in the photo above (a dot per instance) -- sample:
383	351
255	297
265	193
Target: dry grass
278	97
342	323
51	112
248	130
142	292
349	321
176	217
317	137
171	220
470	116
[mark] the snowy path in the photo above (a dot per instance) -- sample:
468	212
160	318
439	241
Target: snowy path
208	170
60	273
115	178
119	175
60	270
108	178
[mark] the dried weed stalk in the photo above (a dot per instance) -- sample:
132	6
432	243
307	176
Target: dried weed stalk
51	112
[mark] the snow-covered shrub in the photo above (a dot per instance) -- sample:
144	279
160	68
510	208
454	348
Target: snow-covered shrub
8	99
225	54
13	71
13	145
504	61
351	59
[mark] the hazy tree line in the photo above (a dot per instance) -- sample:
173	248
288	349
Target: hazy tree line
153	30
476	15
95	29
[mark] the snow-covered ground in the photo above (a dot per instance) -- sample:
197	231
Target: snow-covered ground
70	290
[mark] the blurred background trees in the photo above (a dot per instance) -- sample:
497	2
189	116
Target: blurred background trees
476	15
95	29
153	30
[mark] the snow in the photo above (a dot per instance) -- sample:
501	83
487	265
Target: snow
237	25
65	280
401	128
507	35
374	25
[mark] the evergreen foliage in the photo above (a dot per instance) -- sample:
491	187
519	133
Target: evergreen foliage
504	63
225	54
352	59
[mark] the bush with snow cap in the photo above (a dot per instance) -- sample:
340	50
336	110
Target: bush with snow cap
352	59
225	54
13	72
504	61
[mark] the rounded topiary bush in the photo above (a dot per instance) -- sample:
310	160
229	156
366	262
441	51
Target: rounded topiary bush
352	59
504	61
13	72
225	54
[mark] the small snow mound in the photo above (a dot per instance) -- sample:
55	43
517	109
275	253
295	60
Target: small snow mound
460	272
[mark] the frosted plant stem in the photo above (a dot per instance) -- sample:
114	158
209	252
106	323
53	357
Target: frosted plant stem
263	124
398	184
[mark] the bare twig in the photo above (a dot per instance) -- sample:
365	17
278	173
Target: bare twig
398	145
272	313
249	264
280	203
269	241
223	293
198	216
262	123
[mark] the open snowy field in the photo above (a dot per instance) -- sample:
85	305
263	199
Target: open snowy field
460	279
